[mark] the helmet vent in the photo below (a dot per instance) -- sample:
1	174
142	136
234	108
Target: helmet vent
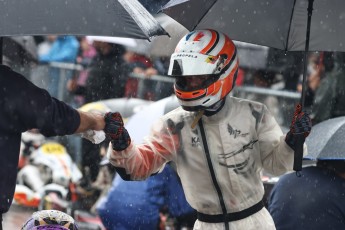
206	101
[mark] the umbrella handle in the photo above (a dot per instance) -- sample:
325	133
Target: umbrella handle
298	155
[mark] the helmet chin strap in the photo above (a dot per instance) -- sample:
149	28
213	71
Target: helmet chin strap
208	112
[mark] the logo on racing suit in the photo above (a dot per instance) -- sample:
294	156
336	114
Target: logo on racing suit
245	167
195	141
236	132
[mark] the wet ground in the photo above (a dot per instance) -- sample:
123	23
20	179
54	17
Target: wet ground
16	217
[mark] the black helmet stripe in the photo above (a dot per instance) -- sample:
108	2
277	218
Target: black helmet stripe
214	44
233	57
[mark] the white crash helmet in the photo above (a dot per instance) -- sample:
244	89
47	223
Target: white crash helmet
209	58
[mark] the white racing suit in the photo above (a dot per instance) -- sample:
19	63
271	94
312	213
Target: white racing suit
219	161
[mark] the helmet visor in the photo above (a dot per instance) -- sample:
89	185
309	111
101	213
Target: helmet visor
195	82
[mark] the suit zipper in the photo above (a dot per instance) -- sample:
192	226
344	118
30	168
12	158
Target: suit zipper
213	175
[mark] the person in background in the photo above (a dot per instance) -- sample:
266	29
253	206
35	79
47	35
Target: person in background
65	50
86	54
138	63
106	80
320	65
329	99
313	201
137	205
24	107
220	143
50	219
45	45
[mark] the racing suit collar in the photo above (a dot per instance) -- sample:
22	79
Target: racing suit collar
215	108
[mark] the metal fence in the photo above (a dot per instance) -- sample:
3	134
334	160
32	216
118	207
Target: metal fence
285	100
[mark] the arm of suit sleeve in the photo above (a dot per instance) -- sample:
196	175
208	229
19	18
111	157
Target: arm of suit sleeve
140	161
277	157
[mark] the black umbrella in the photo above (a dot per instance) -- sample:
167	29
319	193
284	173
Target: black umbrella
119	18
326	140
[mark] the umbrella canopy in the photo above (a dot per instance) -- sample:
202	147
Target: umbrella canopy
77	17
280	24
251	56
165	46
326	140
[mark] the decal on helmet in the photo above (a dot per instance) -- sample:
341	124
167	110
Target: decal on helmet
212	44
198	37
189	35
211	59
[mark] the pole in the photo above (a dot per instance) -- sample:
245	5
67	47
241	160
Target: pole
306	51
1	43
298	156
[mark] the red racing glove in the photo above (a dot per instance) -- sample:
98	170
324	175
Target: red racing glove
301	124
116	132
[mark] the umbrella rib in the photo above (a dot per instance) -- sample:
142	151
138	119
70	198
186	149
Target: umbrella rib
203	15
288	34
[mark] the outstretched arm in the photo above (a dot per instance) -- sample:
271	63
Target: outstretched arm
89	120
138	162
